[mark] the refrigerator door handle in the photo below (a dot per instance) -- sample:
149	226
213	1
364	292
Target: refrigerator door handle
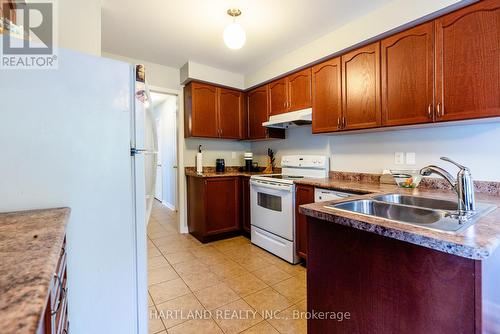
134	151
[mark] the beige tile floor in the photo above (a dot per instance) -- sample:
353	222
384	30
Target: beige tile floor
219	281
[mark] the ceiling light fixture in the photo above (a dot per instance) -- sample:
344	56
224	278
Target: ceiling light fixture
234	35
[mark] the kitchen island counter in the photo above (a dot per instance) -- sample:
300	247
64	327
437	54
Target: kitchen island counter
476	242
394	277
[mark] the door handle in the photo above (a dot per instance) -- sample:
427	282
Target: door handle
338	123
344	122
429	110
440	110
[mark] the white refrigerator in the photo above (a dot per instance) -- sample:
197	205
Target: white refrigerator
67	138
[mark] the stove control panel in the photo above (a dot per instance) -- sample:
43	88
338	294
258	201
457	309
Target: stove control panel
305	161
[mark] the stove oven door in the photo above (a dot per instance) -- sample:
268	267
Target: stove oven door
272	208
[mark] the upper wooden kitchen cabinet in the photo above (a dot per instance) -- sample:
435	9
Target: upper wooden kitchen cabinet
290	93
213	112
200	108
258	113
326	96
278	97
408	76
299	90
361	88
303	195
468	62
230	114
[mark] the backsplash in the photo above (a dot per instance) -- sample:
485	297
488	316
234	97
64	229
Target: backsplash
473	145
215	149
483	187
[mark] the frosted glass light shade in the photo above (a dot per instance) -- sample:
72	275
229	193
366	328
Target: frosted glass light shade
234	36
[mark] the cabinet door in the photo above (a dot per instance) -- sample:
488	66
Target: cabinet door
408	76
203	120
222	205
230	113
303	195
299	90
257	112
361	87
278	98
245	204
468	62
326	96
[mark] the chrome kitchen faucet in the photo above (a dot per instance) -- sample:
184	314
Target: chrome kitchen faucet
463	185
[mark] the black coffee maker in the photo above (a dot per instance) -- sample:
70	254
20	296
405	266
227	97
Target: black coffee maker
248	161
220	166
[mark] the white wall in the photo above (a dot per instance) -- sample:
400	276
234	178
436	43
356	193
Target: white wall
157	75
79	25
391	16
474	145
231	151
196	71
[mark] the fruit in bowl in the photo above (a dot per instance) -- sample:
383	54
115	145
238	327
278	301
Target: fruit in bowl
407	178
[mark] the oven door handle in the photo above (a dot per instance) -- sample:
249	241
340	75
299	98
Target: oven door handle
287	188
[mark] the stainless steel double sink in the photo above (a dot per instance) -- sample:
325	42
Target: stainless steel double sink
436	214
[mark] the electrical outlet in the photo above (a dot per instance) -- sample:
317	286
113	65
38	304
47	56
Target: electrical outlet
410	158
399	158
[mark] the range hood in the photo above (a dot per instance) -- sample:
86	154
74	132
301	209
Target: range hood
290	119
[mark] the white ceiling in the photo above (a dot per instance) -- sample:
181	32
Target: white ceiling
172	32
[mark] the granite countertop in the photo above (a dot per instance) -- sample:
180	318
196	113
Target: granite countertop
30	246
230	171
476	242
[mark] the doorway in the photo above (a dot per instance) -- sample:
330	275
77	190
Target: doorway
165	109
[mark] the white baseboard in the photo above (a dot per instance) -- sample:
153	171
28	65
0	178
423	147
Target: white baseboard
168	205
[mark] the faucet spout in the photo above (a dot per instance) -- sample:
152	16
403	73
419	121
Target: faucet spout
426	171
463	185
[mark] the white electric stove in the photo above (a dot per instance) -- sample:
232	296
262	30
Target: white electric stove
272	201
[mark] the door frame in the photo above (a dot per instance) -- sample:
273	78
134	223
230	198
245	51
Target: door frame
179	210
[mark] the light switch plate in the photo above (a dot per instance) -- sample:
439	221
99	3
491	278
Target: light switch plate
233	155
399	158
410	158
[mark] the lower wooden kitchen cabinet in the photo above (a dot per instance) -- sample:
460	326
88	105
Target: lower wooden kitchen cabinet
55	316
303	195
213	207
